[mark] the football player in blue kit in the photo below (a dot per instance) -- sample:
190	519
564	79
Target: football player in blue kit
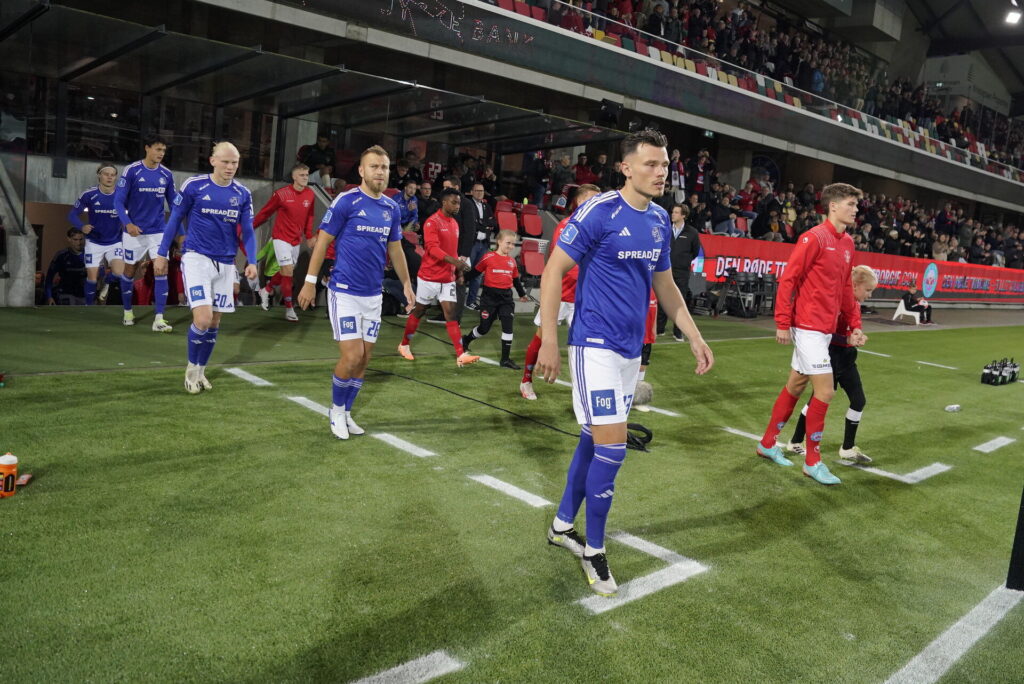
620	239
139	199
102	230
364	226
215	205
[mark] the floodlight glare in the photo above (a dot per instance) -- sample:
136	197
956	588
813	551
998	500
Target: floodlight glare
1013	17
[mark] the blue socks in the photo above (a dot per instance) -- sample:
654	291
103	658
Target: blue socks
206	349
354	385
90	292
196	343
126	292
344	391
159	294
600	488
576	480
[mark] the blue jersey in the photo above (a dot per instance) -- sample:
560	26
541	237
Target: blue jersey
106	226
362	227
140	195
618	249
215	213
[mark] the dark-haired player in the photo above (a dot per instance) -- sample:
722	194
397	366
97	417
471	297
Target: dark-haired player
621	241
436	279
139	199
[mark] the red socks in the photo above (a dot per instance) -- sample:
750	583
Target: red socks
286	292
532	351
455	334
815	426
781	412
411	324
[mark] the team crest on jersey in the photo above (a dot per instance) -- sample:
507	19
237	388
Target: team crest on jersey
569	234
305	203
163	181
233	201
387	216
196	292
846	254
602	402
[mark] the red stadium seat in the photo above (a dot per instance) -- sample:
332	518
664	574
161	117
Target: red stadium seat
507	5
532	225
533	263
741	224
522	8
539	13
392	192
529	209
507	221
531	245
505	205
349	187
702	68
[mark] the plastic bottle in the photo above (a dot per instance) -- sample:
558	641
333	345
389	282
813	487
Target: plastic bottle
8	474
986	375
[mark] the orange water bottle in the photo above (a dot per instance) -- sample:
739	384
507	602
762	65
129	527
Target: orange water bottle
8	474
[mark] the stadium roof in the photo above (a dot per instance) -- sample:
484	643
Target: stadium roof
46	39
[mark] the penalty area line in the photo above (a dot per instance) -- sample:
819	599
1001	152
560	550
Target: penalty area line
993	444
934	661
422	669
937	365
511	490
865	351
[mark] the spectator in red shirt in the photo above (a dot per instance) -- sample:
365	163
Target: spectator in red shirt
584	174
294	205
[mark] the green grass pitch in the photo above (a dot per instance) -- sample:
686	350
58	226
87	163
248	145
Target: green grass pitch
229	537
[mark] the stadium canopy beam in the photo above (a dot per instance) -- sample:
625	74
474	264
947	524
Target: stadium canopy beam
317	104
513	136
210	68
418	112
266	90
953	46
937	20
458	127
514	149
121	50
26	18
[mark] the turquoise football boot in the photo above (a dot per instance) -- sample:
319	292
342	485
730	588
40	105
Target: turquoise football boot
774	454
819	472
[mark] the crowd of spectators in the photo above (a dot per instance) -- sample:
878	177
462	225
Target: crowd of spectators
747	36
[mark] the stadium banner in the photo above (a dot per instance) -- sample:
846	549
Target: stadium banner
937	280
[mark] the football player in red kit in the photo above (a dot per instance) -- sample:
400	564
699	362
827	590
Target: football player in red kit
813	290
294	205
565	311
500	276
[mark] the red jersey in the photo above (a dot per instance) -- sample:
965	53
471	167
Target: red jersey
294	214
499	271
440	239
569	279
816	285
652	319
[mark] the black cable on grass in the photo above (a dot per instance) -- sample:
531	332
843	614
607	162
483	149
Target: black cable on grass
479	401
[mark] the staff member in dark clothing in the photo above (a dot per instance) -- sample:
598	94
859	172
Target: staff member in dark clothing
915	302
68	267
685	247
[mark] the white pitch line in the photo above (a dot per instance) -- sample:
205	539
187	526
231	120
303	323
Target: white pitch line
422	669
914	477
741	339
741	433
400	443
311	405
511	490
993	444
937	365
249	377
559	381
865	351
643	586
650	548
665	412
490	361
929	665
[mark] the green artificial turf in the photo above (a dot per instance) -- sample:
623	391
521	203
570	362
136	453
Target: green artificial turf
229	537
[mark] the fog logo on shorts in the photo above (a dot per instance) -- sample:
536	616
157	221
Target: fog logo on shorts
348	324
602	402
197	292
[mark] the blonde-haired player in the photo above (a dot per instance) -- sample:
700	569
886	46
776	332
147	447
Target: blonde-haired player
843	353
216	205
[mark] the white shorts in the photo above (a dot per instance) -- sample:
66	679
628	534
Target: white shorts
810	352
97	254
428	292
136	248
208	282
354	317
602	385
565	312
287	254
